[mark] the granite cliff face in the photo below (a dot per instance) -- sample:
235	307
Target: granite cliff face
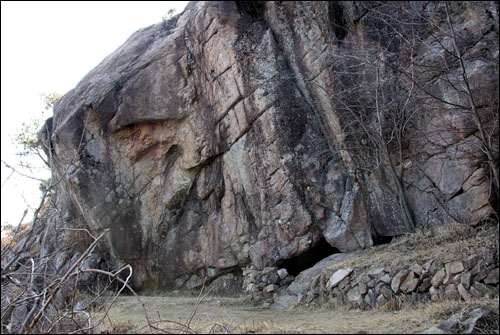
221	138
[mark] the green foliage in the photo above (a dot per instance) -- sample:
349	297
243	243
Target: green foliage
170	14
50	99
26	140
27	136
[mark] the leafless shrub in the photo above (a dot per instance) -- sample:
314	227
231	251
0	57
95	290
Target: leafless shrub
34	302
38	287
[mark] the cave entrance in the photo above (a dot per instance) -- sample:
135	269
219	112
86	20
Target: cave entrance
308	259
380	239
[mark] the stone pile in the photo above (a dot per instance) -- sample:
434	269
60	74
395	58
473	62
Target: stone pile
265	285
369	287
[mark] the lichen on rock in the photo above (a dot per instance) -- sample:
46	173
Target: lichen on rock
219	141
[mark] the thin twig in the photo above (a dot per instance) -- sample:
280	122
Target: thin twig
63	279
198	302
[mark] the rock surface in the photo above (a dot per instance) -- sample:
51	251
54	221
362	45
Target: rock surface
366	287
215	141
473	321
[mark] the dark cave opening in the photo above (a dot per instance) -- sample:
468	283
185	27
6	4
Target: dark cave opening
297	264
253	8
337	19
380	239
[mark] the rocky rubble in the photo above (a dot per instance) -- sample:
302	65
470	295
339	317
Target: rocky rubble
431	280
477	321
266	284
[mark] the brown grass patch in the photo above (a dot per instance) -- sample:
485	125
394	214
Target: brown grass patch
14	235
400	315
232	315
446	242
80	239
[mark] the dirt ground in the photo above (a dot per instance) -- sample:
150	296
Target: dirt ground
232	315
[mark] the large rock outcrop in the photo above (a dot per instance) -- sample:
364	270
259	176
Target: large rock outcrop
216	139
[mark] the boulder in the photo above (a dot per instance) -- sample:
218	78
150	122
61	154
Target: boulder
454	267
434	330
228	285
285	302
375	272
451	292
386	278
417	269
270	288
492	277
485	289
398	280
424	285
337	277
282	273
354	295
466	279
469	322
220	139
410	283
476	320
438	277
381	300
303	281
464	293
386	292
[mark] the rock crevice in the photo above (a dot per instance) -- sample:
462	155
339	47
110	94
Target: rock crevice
220	139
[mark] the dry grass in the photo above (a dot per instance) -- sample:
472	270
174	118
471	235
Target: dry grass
80	238
446	243
120	327
232	315
13	236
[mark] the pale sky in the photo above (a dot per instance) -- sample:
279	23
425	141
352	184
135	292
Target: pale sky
49	47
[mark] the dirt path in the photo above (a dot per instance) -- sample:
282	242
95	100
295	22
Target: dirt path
232	315
219	314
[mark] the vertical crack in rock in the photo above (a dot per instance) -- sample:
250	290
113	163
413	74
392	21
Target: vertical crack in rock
222	140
